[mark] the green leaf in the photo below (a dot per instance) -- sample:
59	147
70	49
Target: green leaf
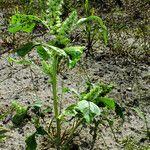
68	24
88	109
60	41
99	22
22	62
93	94
40	130
25	49
22	22
74	54
105	89
47	69
56	50
70	111
31	142
42	52
37	104
20	115
108	102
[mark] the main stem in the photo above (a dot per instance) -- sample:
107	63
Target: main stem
55	102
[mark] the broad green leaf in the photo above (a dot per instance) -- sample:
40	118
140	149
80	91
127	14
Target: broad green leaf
108	102
22	22
74	54
25	49
2	138
37	104
31	142
47	110
18	118
88	109
56	50
42	53
96	19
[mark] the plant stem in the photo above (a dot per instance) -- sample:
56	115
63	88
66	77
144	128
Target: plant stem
73	130
55	102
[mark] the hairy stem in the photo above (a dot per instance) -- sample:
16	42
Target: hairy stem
55	102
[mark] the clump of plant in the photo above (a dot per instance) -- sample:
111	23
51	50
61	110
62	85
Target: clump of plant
94	28
88	103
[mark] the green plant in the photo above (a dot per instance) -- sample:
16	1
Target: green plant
51	54
95	28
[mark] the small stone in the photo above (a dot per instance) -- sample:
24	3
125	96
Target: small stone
129	89
16	97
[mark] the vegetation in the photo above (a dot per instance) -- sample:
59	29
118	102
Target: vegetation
69	38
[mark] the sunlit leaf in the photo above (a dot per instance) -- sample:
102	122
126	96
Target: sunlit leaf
74	54
47	69
89	110
108	102
42	53
22	22
3	130
69	23
93	93
20	114
56	50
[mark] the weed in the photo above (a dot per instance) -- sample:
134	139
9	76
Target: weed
94	29
88	103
